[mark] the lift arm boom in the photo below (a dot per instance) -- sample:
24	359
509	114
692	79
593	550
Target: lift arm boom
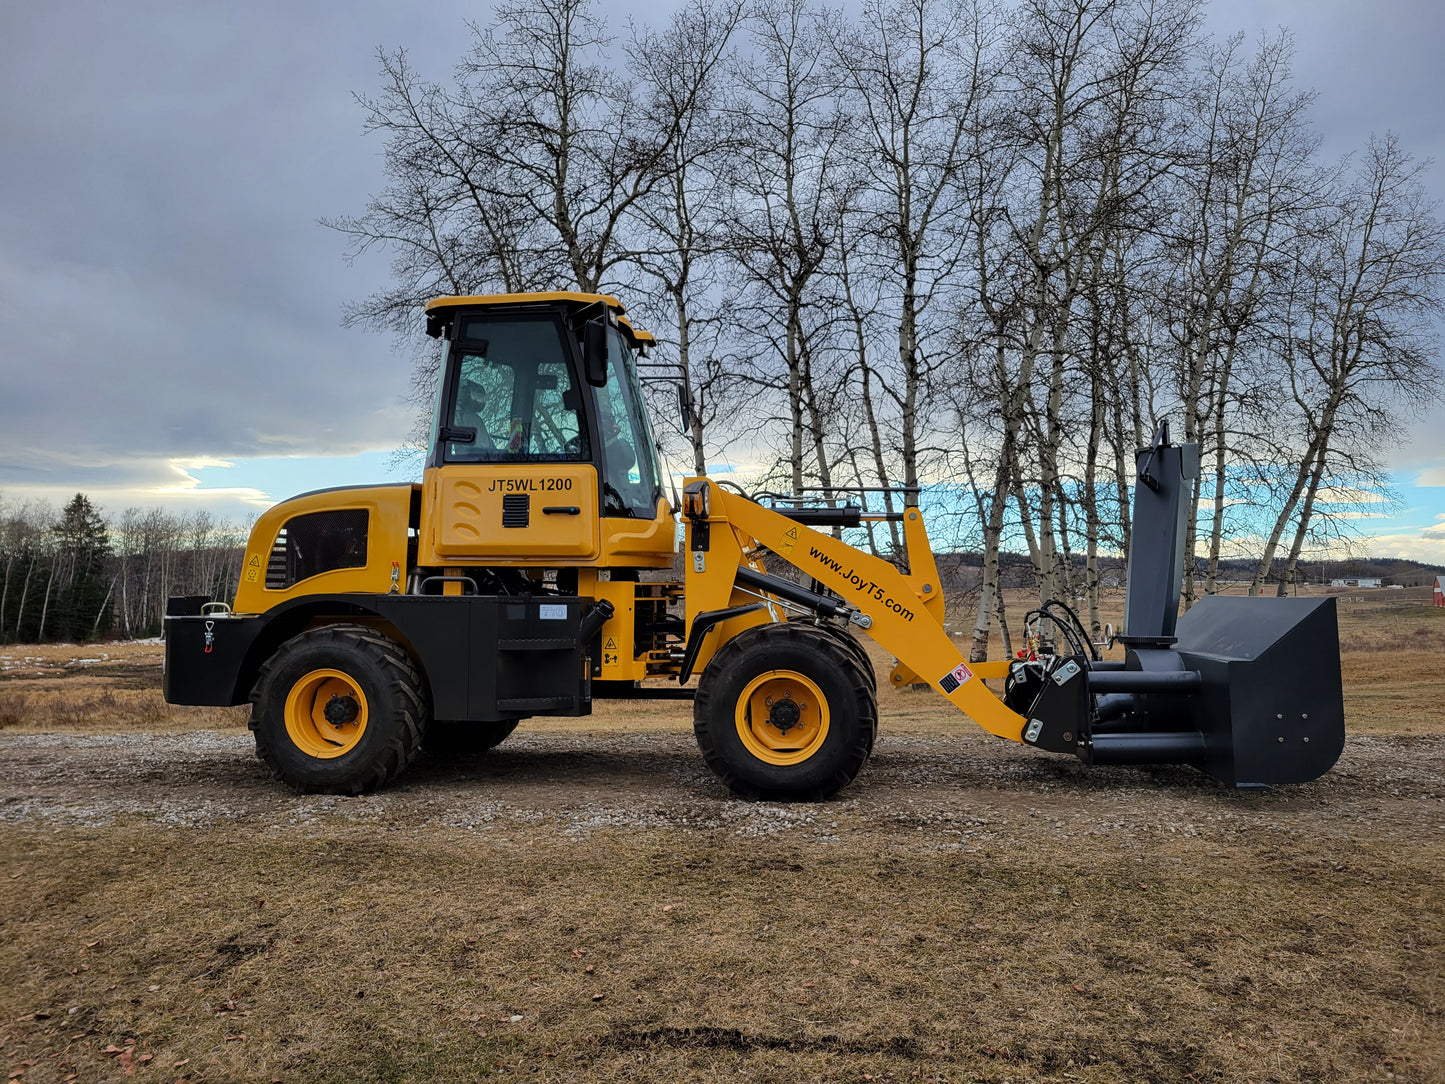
902	613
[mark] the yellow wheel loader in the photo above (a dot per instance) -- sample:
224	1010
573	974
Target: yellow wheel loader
510	584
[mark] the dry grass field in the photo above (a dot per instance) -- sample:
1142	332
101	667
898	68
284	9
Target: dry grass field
586	903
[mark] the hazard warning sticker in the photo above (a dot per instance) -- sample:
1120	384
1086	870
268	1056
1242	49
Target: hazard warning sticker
955	677
790	539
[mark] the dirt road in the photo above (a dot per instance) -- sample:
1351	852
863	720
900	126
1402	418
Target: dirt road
955	791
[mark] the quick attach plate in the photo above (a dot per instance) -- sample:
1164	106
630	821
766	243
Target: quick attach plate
1059	710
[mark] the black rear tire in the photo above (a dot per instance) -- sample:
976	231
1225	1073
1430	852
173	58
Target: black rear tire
386	691
466	739
820	721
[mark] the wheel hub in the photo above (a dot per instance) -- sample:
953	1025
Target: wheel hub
341	710
784	714
782	717
325	713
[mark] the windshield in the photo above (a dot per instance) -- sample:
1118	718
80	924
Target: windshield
512	384
631	485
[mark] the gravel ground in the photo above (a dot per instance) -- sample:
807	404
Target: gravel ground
956	792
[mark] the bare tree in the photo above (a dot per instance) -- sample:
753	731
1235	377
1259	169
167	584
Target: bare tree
564	129
445	215
789	192
861	310
681	221
915	74
1250	180
1360	341
1091	130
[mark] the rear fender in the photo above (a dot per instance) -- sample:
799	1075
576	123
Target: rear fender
217	659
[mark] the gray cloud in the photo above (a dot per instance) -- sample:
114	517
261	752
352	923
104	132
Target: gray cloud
165	291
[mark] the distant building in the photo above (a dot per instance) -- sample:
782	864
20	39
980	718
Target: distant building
1357	581
1440	590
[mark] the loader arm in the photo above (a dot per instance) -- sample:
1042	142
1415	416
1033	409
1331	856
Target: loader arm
902	613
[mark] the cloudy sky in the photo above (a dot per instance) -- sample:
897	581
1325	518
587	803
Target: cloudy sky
170	310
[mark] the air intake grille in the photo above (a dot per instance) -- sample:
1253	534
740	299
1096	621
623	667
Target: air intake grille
277	578
516	509
317	542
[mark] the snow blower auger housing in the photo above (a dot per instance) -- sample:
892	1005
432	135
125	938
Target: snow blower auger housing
509	584
1247	690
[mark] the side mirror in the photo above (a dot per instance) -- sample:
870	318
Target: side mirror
684	408
594	352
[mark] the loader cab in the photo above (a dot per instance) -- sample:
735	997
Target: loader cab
541	453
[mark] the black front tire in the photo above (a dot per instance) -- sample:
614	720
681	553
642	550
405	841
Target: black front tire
857	651
751	755
388	685
859	655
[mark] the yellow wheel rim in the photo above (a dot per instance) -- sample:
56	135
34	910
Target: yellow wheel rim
782	717
326	714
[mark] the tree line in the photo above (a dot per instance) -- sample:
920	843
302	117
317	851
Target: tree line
76	575
945	243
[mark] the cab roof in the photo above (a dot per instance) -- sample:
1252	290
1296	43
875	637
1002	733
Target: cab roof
643	338
569	300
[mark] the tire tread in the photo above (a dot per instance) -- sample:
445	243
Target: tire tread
709	711
404	683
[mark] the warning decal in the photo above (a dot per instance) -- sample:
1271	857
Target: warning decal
955	677
255	561
790	539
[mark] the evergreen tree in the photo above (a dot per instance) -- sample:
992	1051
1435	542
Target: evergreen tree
82	591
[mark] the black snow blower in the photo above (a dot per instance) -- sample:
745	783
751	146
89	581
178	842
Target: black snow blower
1246	690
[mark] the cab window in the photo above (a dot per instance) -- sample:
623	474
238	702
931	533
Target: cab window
512	385
631	485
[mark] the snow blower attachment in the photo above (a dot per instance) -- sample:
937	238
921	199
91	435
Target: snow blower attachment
1245	689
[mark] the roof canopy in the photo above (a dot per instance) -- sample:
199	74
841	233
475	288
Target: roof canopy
570	301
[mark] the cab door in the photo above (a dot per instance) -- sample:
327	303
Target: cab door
510	478
532	511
